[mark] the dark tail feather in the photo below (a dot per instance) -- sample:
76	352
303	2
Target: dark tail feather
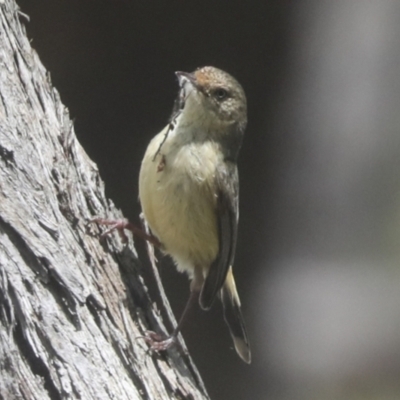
234	319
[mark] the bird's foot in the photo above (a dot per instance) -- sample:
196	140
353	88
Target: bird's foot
114	225
120	225
158	342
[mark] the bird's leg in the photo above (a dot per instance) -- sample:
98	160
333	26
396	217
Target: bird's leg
120	225
193	298
156	342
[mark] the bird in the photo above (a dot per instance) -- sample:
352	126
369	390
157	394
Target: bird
189	193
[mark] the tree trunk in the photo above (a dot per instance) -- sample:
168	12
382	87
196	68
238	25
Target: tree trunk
71	306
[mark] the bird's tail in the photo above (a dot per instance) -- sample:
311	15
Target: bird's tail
233	317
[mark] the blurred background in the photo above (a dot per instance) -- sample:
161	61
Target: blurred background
318	255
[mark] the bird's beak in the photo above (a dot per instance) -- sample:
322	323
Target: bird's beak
184	77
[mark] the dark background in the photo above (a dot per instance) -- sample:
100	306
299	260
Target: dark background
317	257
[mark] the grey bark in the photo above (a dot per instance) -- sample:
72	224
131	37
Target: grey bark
71	306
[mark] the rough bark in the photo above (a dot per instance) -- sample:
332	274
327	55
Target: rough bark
71	307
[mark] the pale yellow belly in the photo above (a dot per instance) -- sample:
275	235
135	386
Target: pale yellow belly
178	202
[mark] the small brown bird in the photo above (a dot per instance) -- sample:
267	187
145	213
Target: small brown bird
189	188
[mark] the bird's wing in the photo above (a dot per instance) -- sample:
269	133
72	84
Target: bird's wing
227	209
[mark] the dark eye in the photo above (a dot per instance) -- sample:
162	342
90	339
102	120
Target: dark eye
220	94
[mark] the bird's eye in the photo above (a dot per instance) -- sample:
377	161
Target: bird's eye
220	94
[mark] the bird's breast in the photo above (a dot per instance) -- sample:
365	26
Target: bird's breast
178	197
